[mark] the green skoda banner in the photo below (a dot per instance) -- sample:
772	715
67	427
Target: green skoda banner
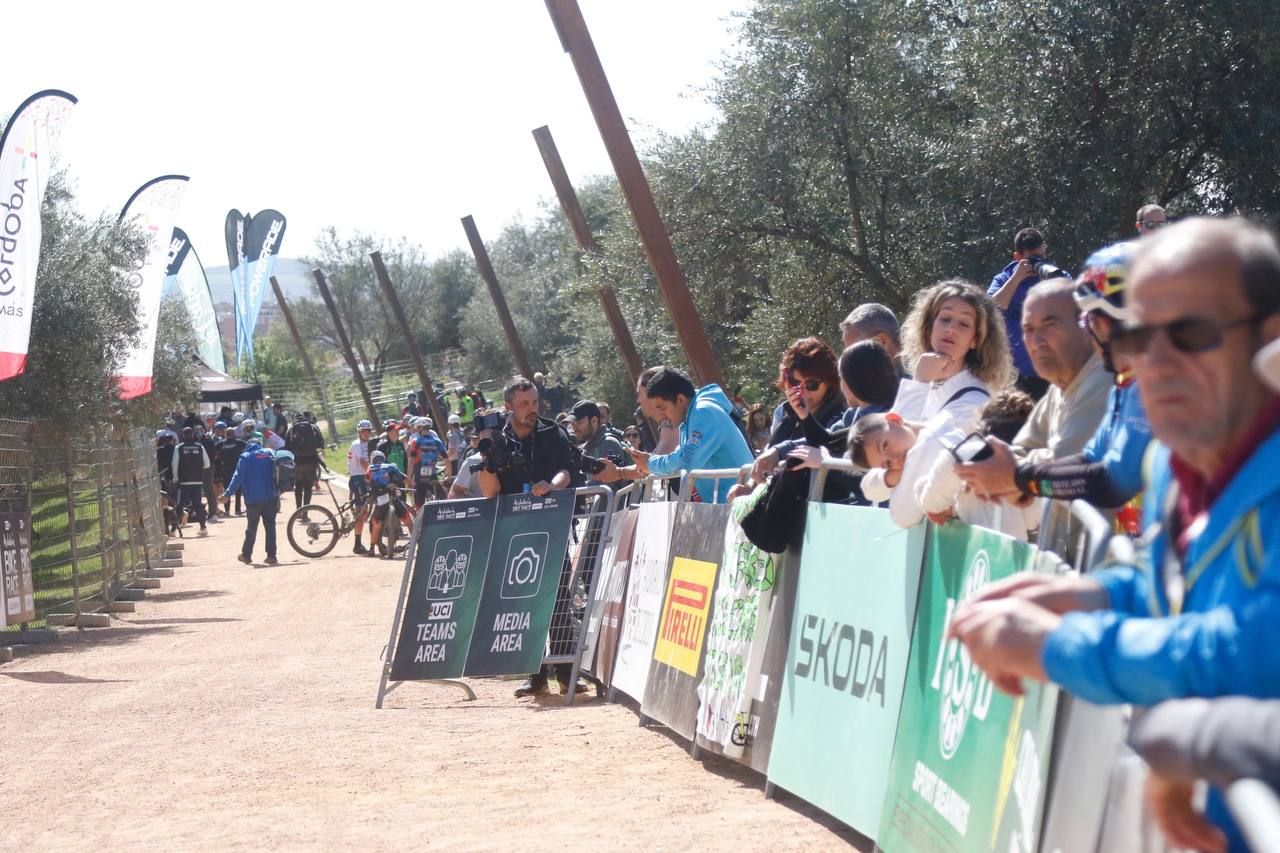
525	563
847	661
448	575
970	763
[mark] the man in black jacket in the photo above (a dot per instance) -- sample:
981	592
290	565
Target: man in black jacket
189	464
229	450
540	460
304	441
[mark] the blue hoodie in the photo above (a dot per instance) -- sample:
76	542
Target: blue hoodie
708	439
255	475
1221	642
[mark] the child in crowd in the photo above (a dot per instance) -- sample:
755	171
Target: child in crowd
912	467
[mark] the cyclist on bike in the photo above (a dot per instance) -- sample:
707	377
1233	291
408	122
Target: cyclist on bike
385	478
358	470
426	451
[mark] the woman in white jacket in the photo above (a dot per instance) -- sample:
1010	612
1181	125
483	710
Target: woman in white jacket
955	346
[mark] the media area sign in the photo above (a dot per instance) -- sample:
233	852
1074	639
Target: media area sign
527	558
444	593
17	592
970	762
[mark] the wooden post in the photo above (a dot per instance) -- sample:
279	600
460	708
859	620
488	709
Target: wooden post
306	359
428	387
582	232
71	535
576	41
345	343
499	301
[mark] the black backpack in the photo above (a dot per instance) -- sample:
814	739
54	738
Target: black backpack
304	439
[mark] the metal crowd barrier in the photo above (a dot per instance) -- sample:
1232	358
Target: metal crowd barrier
715	475
1256	809
1080	535
588	533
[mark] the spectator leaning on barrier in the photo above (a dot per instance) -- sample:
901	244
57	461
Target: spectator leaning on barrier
255	475
668	437
1066	418
708	436
1108	472
1009	289
1198	616
530	454
189	464
596	439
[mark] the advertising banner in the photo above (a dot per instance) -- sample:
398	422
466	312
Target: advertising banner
263	235
646	583
607	606
847	661
186	275
153	207
970	763
697	544
736	639
17	591
26	158
444	592
237	267
526	562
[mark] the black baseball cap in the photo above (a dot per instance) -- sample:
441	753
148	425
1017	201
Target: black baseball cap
584	409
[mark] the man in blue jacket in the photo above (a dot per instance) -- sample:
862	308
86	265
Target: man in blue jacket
1197	614
255	475
708	436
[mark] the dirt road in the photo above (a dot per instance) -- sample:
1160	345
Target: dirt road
234	710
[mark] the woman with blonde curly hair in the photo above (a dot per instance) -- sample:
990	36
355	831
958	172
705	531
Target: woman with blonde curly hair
955	346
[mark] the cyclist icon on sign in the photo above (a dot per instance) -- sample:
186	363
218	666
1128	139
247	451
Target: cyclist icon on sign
449	562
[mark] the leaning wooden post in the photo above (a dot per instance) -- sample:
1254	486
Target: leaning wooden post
576	41
345	343
428	387
306	359
582	232
499	301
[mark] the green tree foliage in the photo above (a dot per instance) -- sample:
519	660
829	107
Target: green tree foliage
84	319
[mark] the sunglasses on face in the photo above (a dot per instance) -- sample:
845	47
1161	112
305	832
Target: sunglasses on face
809	384
1187	335
1158	223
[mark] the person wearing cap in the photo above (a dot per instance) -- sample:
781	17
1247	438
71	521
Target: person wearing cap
189	464
596	439
358	476
411	407
456	442
255	476
392	447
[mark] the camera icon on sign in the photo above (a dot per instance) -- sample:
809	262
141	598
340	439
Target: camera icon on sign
522	572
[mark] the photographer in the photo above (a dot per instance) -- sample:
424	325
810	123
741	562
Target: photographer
528	453
598	441
1009	289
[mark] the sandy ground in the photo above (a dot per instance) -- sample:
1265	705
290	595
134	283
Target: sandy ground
234	710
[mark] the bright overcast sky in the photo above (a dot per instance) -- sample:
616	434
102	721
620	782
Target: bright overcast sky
393	118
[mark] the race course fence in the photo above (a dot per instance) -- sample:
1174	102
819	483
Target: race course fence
95	518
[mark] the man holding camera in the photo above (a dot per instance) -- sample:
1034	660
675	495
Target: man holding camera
596	439
1009	289
530	454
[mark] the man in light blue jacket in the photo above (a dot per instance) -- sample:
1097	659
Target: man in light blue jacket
708	436
1198	614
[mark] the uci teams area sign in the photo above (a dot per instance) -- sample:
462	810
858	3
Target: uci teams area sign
444	593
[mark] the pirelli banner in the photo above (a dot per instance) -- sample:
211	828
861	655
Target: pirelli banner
697	544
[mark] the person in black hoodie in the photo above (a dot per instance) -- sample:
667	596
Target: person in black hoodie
229	450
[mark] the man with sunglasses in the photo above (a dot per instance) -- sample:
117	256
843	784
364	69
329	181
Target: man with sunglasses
1197	616
1150	219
